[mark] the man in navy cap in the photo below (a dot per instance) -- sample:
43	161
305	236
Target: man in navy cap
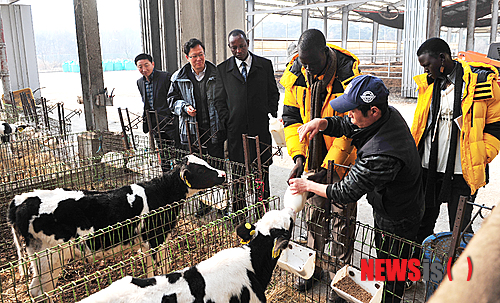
387	168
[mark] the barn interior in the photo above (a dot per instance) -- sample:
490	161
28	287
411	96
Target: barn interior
83	119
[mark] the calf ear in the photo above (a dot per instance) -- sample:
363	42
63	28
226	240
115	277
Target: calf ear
245	231
177	162
280	244
185	176
8	129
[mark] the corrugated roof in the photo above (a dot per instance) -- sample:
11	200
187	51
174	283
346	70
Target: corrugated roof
386	8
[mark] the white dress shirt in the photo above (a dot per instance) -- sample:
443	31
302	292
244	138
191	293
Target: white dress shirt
199	76
248	62
445	122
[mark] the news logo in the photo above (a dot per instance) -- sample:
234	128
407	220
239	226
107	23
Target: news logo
402	269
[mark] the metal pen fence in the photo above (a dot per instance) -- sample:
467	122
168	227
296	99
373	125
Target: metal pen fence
39	114
35	153
82	161
360	245
384	67
192	240
36	158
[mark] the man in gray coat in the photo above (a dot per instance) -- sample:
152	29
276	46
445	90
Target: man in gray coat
191	97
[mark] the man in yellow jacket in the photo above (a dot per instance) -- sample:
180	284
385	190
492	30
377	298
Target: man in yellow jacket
456	127
316	75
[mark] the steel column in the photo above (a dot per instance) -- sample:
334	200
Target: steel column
325	22
304	25
398	43
220	30
345	25
374	40
19	39
250	23
211	21
471	25
171	18
149	26
159	32
435	9
494	21
4	68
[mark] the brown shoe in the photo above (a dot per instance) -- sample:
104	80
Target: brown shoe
303	284
202	210
334	298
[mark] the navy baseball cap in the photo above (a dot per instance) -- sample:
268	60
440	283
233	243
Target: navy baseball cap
365	89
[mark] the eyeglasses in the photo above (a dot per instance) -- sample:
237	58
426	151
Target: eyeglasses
201	55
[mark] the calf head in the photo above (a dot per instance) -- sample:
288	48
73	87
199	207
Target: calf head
275	225
198	174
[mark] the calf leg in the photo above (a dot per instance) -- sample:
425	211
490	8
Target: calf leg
46	272
148	260
23	269
161	259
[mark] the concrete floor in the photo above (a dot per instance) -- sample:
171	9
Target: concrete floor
65	87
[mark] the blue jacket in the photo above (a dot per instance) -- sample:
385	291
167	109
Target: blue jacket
181	94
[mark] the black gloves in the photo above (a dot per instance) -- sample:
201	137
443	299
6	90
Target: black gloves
298	169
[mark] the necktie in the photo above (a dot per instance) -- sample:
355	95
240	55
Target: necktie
244	70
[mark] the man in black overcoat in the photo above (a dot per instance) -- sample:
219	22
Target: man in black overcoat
246	92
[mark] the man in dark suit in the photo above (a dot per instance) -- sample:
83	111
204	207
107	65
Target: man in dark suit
153	86
245	93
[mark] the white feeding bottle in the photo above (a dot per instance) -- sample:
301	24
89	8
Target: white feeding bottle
277	131
294	201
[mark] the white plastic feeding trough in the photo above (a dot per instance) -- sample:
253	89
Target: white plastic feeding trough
298	260
373	287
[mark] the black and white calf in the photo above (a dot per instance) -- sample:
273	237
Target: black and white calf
46	218
238	274
5	131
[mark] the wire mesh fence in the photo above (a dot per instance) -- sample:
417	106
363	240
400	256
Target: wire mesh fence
196	238
34	153
350	252
75	271
51	118
37	154
85	161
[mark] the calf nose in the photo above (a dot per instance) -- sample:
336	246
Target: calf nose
222	174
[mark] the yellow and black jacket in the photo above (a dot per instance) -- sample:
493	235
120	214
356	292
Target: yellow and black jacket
297	104
480	133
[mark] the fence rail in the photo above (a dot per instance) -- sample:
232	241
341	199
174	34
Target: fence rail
383	66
